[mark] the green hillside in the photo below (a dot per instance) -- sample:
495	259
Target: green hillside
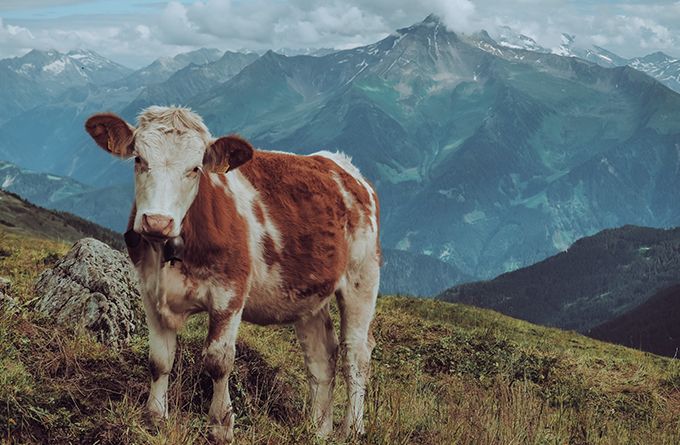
21	217
443	373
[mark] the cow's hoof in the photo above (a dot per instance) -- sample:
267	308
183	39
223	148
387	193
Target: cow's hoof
351	432
152	419
220	434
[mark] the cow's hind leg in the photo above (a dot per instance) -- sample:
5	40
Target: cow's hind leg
357	301
319	345
219	356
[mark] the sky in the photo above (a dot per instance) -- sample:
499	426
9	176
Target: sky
135	32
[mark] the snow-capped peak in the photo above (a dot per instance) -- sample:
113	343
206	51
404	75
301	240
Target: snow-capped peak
510	38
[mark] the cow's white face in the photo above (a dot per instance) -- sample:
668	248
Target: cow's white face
168	164
171	149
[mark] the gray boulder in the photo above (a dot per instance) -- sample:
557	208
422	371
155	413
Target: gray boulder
7	302
93	287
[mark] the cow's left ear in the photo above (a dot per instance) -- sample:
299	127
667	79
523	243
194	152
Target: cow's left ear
227	153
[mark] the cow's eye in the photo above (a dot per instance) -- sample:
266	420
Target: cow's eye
140	164
194	171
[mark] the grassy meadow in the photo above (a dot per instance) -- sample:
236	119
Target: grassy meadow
442	374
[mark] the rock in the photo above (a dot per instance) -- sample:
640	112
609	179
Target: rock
7	302
94	287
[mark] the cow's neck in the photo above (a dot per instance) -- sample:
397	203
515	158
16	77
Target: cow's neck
212	229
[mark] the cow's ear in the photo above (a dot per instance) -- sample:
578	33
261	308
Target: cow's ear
111	133
227	153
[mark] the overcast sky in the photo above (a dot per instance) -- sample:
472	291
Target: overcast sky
134	32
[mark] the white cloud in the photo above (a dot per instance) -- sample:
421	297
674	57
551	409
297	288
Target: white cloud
630	29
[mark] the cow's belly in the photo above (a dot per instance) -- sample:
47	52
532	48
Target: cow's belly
271	301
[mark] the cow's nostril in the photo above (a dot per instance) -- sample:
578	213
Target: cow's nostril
159	225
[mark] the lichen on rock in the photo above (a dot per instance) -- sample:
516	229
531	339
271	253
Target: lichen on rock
93	287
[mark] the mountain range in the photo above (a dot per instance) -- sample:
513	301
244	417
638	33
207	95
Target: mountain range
661	66
598	279
486	157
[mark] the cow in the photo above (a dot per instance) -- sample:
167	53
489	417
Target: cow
244	234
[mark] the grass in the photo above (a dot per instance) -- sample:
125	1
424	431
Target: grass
442	374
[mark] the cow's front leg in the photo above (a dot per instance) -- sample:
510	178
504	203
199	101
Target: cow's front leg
162	344
219	361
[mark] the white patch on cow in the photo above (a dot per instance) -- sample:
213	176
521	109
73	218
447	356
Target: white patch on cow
345	162
265	280
220	298
167	288
347	198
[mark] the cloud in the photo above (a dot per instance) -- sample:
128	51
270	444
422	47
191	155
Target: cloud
135	38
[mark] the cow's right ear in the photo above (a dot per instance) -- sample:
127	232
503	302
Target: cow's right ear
111	133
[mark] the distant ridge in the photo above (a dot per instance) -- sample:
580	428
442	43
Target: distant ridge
597	279
653	326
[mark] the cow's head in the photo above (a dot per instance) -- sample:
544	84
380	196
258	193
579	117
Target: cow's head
171	149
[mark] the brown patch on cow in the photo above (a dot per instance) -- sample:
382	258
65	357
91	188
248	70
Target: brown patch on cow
218	321
304	202
378	249
259	213
215	236
215	367
154	369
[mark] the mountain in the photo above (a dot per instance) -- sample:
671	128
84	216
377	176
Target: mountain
99	205
60	146
305	51
39	76
18	216
597	279
409	273
593	53
653	326
510	39
661	66
162	68
189	81
51	138
664	68
58	71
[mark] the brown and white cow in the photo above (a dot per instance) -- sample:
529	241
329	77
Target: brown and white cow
269	238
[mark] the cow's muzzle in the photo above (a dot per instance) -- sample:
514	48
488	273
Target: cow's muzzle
157	226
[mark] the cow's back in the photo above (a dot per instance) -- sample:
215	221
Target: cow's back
315	216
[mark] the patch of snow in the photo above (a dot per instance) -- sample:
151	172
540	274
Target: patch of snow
474	217
8	181
362	66
25	68
55	67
